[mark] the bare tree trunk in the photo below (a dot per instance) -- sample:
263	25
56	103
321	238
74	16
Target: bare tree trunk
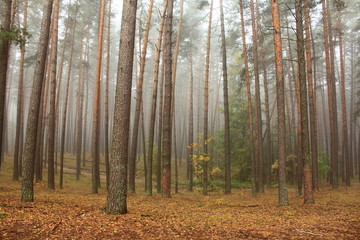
153	103
330	76
20	103
191	122
4	56
310	79
64	115
346	156
52	117
87	98
96	117
206	103
117	191
283	193
160	129
107	160
139	94
260	161
305	140
27	190
250	110
166	138
79	109
226	104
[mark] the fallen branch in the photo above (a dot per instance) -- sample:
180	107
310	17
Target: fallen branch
315	234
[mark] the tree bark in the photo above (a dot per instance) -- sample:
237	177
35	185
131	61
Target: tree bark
166	138
4	56
95	153
20	102
250	110
117	191
27	189
191	123
153	103
226	105
139	96
283	193
303	111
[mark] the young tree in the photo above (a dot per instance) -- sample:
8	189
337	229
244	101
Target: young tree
166	131
226	104
117	191
27	189
4	55
280	93
95	153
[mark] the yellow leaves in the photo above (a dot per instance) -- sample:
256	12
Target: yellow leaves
218	201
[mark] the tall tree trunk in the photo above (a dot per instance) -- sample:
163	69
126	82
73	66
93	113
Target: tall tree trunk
64	115
258	146
250	110
160	128
330	77
4	56
87	98
107	159
79	109
20	101
166	138
117	191
283	193
139	95
226	105
174	70
27	189
305	140
267	116
191	122
52	117
206	103
153	103
95	153
343	97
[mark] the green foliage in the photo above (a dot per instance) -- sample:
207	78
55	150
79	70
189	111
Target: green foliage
323	164
19	36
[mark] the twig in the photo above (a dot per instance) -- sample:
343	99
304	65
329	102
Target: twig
316	234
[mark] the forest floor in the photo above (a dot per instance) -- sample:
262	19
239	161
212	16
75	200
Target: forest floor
74	213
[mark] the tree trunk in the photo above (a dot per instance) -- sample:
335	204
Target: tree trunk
166	138
191	122
27	189
346	156
250	110
305	141
153	103
330	77
226	105
117	191
79	110
160	129
4	56
20	102
52	117
206	103
139	94
64	115
107	159
258	146
283	193
95	152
